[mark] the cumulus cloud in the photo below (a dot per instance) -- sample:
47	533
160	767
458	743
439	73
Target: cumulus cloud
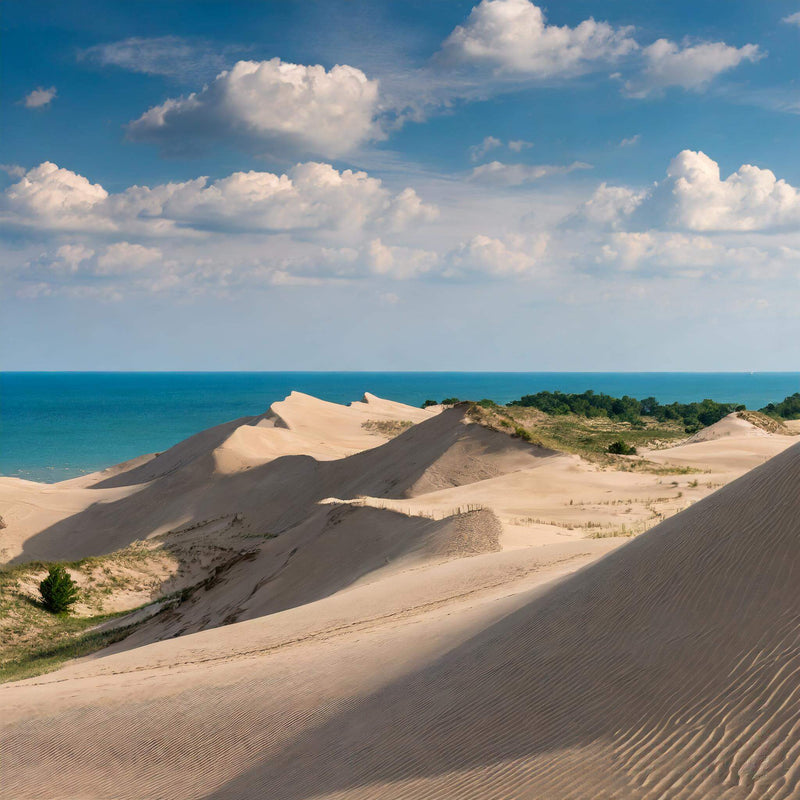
500	174
77	264
611	205
124	256
310	197
55	198
271	107
170	56
631	140
691	66
490	257
695	197
678	254
792	19
749	199
399	262
40	98
513	37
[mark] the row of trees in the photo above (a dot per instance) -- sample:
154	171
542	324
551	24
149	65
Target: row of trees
693	416
789	408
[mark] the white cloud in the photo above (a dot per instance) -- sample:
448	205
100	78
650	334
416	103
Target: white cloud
56	198
486	256
500	174
310	197
694	197
397	262
688	256
478	151
512	36
518	145
610	205
631	140
39	98
749	199
271	107
692	66
124	256
792	19
170	56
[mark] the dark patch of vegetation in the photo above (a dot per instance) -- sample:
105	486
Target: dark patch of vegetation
620	447
788	408
692	416
450	401
429	403
59	592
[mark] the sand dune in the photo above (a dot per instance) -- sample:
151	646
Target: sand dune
424	616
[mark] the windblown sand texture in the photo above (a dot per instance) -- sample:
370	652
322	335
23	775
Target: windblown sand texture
426	617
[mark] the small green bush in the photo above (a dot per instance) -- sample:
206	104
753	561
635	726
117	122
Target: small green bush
621	448
450	401
428	403
58	590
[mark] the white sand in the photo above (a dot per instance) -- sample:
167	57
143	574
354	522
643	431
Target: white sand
386	645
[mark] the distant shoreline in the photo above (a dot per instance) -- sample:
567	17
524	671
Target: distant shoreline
57	425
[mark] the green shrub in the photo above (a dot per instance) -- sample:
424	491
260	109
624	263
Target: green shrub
58	590
486	403
450	401
428	403
621	448
522	433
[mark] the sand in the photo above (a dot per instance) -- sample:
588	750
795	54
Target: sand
427	616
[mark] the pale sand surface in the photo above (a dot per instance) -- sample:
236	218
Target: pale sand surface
430	619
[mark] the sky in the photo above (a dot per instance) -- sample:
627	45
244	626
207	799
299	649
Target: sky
588	186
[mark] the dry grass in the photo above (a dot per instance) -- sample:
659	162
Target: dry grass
387	427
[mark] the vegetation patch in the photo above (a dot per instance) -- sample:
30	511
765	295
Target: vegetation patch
387	427
788	408
589	437
693	416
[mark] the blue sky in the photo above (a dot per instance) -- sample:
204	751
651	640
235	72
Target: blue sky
449	185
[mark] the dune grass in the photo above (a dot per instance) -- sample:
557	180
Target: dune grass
584	436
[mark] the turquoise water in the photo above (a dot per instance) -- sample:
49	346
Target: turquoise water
55	426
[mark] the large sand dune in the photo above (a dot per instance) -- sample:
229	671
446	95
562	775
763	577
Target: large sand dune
424	616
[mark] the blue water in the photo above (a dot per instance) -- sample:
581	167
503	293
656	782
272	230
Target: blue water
55	426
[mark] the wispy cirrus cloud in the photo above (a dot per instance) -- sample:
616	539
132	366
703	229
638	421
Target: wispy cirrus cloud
500	174
183	60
